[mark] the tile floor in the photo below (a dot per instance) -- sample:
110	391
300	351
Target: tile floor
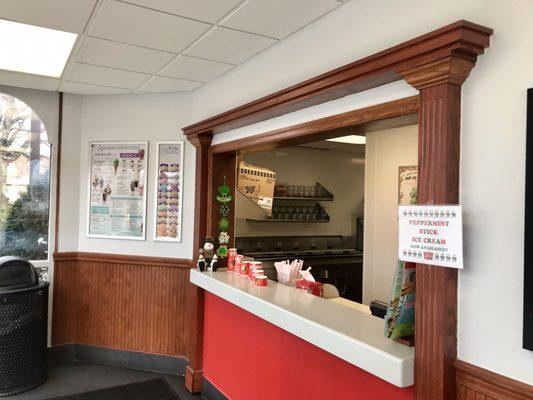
76	377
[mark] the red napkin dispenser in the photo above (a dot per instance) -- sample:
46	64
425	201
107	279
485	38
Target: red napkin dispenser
314	288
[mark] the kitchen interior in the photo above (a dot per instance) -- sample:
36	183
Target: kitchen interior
332	204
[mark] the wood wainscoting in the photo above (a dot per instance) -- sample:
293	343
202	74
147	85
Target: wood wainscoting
475	383
121	302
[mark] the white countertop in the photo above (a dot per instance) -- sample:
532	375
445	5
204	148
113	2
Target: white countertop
351	335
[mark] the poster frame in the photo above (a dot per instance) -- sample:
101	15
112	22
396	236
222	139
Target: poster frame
178	238
402	168
145	179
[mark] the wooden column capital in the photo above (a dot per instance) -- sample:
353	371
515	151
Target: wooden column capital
201	139
451	63
450	69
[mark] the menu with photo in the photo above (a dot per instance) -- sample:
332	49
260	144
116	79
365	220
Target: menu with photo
117	198
169	191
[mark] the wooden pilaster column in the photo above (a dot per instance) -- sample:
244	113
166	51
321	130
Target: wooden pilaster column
195	295
439	83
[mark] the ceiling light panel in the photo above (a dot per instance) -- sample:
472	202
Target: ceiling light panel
351	139
34	50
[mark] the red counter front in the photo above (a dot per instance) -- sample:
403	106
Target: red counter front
247	358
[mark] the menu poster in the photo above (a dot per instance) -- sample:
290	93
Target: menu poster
408	185
117	198
169	191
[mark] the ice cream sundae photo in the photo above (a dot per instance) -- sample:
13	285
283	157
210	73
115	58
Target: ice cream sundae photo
134	184
106	193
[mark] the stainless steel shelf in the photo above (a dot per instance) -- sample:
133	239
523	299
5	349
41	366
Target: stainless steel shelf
304	198
289	220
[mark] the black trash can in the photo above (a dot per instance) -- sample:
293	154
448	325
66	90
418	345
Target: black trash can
23	326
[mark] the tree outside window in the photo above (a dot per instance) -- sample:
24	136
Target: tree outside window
24	181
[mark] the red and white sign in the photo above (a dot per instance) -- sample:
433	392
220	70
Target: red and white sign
431	235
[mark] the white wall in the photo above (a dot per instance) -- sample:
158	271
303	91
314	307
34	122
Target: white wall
341	173
125	117
386	151
493	132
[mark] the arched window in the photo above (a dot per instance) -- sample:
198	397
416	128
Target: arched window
24	181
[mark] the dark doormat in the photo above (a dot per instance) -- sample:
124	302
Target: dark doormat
154	389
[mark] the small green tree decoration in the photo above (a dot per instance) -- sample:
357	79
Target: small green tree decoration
223	197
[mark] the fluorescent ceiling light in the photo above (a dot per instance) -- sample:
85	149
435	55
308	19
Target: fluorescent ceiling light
34	50
351	139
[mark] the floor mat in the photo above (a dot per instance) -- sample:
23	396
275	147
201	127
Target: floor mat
154	389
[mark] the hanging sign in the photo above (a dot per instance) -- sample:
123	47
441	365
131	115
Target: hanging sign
431	235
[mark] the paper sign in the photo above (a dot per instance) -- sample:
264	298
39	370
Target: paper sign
431	235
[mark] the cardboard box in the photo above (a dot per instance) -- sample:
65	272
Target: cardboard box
257	184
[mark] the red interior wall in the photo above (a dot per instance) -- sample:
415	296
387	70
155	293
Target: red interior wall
247	358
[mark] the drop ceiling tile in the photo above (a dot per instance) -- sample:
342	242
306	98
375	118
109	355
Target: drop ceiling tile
85	89
203	10
10	78
140	26
230	46
195	69
164	84
119	55
64	15
278	18
91	74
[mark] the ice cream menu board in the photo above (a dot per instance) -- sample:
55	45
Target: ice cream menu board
408	185
117	202
169	191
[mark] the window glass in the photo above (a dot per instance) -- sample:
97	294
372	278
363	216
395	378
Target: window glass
24	181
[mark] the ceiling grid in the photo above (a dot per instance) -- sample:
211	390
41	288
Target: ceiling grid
139	46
